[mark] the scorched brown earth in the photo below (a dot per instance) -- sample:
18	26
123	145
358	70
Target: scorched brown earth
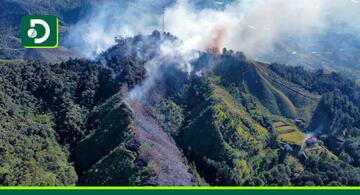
158	150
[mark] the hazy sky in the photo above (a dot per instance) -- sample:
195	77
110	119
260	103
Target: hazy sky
251	26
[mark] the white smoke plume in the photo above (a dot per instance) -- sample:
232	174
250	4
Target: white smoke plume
107	19
172	53
251	26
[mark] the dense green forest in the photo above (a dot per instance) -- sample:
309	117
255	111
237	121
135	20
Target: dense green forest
241	122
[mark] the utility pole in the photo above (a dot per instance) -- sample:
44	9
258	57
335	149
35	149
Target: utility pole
163	19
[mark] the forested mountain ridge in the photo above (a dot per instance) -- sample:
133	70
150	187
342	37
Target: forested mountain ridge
239	122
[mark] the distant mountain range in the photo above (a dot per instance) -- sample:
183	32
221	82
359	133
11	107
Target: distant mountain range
333	51
134	116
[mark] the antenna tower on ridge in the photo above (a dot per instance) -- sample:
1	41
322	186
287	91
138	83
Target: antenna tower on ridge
163	19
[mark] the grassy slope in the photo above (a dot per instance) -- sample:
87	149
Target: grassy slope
229	119
289	133
109	132
273	92
228	134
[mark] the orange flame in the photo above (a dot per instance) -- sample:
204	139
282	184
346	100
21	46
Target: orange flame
217	38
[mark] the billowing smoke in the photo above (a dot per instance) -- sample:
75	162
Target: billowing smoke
251	26
171	53
107	19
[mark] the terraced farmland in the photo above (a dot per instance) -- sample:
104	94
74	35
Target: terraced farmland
289	133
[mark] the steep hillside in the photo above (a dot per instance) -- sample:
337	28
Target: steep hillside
30	153
231	121
38	119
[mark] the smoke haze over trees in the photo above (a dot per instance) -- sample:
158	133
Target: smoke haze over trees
188	106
